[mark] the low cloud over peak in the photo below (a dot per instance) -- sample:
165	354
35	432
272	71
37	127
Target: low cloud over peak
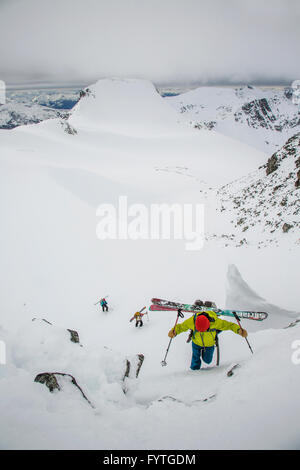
174	40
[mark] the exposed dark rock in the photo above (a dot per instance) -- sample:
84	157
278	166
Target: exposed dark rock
209	125
132	368
74	336
288	93
68	128
42	319
286	227
50	380
259	111
297	183
138	359
85	92
294	323
283	202
141	358
272	164
278	186
127	370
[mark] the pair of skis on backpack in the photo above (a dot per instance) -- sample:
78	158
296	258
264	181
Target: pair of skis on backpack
198	306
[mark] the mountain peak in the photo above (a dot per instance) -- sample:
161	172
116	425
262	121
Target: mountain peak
126	106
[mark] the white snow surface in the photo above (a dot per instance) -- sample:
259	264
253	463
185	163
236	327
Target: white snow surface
130	142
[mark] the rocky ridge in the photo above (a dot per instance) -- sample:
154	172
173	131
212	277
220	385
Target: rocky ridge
261	118
264	206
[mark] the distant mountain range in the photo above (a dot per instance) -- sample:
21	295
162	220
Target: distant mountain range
261	117
24	107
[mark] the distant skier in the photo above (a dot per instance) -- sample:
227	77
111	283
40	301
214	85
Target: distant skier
104	305
205	326
138	317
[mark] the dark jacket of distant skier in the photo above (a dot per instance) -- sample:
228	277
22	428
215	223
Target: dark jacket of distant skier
104	305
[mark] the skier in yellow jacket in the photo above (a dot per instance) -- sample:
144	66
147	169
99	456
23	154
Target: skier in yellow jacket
138	318
205	326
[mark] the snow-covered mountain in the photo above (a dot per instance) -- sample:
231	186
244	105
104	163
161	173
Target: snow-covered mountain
263	118
24	107
123	139
13	115
57	99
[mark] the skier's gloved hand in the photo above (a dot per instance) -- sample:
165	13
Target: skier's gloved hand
243	333
172	333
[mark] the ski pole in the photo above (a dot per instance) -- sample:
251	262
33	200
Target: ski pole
238	320
179	314
218	350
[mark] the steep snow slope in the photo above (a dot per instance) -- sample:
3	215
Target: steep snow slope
54	267
264	206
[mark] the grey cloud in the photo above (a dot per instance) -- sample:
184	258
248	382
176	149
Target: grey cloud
171	40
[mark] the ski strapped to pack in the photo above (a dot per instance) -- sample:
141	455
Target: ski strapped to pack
165	305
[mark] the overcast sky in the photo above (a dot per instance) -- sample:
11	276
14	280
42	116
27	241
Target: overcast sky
178	41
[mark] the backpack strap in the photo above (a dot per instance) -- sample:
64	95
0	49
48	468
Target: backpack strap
194	331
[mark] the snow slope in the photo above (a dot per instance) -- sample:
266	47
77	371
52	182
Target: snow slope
262	208
136	109
128	141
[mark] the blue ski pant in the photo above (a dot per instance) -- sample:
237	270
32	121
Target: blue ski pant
199	353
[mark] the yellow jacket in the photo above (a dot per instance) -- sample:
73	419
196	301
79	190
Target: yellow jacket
138	315
206	338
